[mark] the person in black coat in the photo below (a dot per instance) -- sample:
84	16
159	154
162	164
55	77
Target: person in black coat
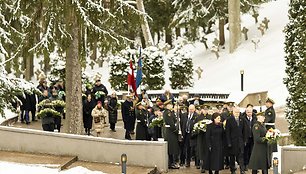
251	119
99	87
171	136
128	116
270	119
214	138
88	106
112	108
235	135
142	122
188	120
201	138
261	156
28	107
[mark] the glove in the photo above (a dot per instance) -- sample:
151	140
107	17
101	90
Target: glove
229	145
209	149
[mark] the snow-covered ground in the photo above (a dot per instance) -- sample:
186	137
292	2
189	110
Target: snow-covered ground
8	114
17	168
264	69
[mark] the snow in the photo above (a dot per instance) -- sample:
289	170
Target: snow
9	167
264	69
8	114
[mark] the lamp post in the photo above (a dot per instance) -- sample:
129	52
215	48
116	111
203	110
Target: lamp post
123	163
241	73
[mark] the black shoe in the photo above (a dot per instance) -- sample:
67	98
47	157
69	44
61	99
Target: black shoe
198	167
27	122
34	120
188	165
202	170
114	130
174	167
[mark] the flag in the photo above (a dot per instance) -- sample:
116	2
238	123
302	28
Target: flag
139	70
131	78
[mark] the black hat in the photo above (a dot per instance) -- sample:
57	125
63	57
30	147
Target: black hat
260	114
219	106
270	101
206	107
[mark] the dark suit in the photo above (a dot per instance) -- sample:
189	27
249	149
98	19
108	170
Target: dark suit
249	135
128	117
235	136
188	141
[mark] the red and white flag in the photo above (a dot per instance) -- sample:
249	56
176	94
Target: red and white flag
131	78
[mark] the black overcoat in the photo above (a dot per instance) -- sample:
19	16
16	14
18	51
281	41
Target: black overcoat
112	109
171	132
201	139
128	115
235	135
88	106
141	127
214	138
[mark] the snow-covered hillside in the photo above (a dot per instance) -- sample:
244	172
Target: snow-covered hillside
264	69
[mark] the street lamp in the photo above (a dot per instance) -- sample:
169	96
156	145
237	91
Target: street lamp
241	73
123	163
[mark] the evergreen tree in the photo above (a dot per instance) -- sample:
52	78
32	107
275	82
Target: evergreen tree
153	68
295	48
181	66
119	68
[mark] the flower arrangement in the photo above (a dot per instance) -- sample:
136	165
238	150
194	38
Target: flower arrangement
58	103
272	136
48	112
99	94
158	121
201	126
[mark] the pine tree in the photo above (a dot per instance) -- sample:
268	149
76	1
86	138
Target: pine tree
119	68
153	68
295	48
181	66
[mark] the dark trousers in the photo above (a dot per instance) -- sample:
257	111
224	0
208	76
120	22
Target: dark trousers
22	115
248	151
172	160
127	134
182	152
27	116
48	127
58	123
33	112
263	171
187	148
216	172
239	159
112	126
87	131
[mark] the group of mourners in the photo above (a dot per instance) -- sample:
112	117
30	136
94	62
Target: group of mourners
231	135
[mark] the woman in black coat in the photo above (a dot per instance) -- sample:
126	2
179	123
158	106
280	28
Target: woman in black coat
88	106
112	109
214	139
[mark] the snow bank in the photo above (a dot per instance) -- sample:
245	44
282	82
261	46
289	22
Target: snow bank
12	168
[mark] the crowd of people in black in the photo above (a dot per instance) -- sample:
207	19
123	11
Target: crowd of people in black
232	136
